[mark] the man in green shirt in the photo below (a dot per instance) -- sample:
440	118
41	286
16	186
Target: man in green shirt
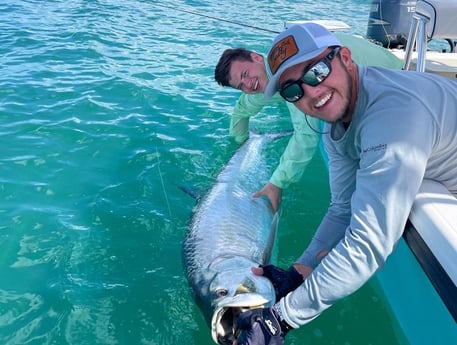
245	70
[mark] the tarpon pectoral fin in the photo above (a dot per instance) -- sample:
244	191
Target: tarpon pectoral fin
197	194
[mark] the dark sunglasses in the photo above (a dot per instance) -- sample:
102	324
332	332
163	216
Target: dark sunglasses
313	76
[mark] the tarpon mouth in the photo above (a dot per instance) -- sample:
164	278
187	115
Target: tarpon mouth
223	322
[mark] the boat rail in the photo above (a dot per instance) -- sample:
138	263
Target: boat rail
432	19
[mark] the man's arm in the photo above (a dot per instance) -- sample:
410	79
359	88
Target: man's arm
247	105
299	151
388	177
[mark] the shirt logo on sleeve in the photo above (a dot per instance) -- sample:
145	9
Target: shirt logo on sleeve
375	148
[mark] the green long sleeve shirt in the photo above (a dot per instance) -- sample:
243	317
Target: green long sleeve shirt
301	147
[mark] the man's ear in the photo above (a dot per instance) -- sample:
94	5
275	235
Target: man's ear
346	56
256	57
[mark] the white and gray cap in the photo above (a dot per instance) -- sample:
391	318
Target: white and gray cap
298	43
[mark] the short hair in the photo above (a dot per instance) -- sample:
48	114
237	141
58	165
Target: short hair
222	70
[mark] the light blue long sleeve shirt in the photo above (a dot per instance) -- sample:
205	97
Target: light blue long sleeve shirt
403	130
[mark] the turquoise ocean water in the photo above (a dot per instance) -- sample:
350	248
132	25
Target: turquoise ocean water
106	108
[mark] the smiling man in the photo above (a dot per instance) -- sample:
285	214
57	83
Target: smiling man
245	70
387	131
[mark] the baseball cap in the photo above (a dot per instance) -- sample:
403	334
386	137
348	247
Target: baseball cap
298	43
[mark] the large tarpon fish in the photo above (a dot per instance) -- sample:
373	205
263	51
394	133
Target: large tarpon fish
231	232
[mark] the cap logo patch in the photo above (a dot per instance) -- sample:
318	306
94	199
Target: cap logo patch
281	52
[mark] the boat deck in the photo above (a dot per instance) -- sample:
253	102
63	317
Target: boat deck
444	64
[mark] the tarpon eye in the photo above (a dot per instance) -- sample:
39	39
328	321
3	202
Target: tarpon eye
221	293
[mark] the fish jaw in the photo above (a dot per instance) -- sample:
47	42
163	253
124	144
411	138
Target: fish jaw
227	309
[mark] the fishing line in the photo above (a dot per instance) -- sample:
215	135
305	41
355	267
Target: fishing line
382	24
161	180
215	18
311	127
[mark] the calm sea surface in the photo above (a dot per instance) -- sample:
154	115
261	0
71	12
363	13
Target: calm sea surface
106	108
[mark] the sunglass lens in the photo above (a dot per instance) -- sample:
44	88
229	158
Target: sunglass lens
316	74
292	93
